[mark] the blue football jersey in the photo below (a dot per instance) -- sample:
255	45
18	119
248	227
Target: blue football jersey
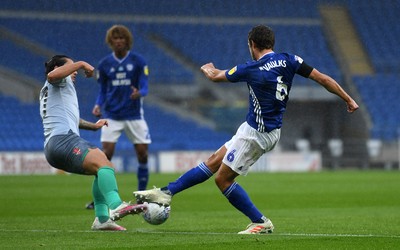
269	81
116	78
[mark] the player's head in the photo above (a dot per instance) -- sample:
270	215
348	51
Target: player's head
56	61
119	37
262	37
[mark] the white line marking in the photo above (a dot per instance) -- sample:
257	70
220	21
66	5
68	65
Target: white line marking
145	231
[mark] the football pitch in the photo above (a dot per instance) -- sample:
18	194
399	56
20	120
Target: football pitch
326	210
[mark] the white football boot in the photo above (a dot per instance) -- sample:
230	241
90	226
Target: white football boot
107	226
124	209
154	195
259	228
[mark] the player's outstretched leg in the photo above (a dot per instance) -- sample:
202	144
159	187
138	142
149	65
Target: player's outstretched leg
155	195
238	197
163	196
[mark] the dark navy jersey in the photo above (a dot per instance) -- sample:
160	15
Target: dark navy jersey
116	78
269	81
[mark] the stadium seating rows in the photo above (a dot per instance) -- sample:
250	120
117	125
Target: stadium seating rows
23	131
211	8
223	44
380	94
377	24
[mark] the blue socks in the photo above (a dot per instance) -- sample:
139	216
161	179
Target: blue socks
192	177
235	194
238	197
143	176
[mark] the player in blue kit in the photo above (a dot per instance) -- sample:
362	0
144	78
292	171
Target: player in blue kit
269	80
66	150
123	79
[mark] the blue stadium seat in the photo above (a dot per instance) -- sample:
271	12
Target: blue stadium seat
380	94
377	24
225	45
23	131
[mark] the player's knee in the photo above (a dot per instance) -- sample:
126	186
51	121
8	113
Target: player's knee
221	182
98	159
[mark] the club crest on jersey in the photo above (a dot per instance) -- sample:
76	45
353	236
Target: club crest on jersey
129	67
232	70
76	151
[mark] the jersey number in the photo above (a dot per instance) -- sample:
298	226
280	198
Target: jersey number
281	89
43	101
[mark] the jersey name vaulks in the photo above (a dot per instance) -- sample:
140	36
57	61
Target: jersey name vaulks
273	64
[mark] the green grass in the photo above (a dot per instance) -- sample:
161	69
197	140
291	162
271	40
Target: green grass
327	210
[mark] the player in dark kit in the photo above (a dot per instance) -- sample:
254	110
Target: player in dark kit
269	80
123	79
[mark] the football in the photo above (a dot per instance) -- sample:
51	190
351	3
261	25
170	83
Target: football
156	214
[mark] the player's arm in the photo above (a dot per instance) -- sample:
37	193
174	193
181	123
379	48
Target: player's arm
214	74
67	69
102	80
83	124
332	86
143	83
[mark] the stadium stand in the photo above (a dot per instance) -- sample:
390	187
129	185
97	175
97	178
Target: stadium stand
377	25
199	31
380	94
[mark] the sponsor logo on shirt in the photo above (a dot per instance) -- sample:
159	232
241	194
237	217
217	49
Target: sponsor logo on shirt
121	80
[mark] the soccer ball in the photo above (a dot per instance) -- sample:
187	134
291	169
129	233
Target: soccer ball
156	214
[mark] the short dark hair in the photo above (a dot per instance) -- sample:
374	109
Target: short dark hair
57	60
262	36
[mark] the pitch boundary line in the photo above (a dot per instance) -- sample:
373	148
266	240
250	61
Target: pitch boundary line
205	233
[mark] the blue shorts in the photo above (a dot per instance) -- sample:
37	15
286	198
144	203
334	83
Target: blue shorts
67	152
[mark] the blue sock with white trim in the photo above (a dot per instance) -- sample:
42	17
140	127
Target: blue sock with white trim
238	197
192	177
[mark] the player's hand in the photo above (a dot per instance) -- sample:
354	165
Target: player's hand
88	69
96	111
212	73
89	73
352	106
135	93
209	70
100	123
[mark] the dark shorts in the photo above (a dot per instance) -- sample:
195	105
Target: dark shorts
67	152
